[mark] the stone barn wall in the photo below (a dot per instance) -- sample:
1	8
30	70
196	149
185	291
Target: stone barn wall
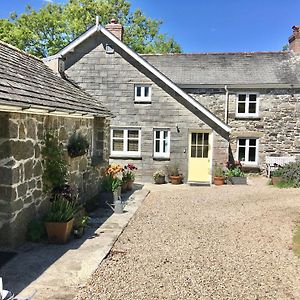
21	187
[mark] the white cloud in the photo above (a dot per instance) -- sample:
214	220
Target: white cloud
49	1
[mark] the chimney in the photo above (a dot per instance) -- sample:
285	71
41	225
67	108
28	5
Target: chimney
115	28
294	40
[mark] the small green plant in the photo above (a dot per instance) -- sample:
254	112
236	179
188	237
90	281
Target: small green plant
77	145
236	172
35	231
81	219
278	172
110	183
218	170
158	173
173	169
61	210
55	169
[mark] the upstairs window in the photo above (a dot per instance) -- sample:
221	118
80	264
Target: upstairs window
126	142
161	143
247	105
247	150
142	93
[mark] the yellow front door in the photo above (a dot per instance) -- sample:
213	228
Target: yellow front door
199	156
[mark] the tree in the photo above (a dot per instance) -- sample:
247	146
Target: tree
46	31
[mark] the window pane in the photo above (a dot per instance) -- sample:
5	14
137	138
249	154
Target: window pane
166	134
205	151
157	134
133	145
199	151
242	98
118	133
252	142
252	153
157	146
252	108
242	142
199	140
252	98
117	145
146	91
138	91
242	153
165	145
193	151
206	138
133	134
241	108
194	135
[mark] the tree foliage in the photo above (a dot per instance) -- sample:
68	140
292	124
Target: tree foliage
44	32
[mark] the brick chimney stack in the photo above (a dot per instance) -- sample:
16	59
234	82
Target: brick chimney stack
294	40
115	28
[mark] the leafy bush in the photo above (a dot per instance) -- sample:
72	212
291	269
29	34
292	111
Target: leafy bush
55	169
61	210
77	145
278	172
291	174
236	172
173	169
218	170
110	183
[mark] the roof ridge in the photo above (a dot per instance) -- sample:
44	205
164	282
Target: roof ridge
215	53
19	50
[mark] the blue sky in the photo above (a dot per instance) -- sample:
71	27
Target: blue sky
212	26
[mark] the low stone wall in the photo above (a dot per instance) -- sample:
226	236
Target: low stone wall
21	168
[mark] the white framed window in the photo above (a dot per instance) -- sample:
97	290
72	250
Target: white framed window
126	142
247	105
161	143
142	93
247	150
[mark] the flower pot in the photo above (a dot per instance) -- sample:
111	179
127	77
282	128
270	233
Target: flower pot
238	180
129	185
124	187
59	232
218	180
160	180
276	179
176	179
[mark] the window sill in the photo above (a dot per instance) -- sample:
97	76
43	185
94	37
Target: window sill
142	102
125	157
252	118
161	158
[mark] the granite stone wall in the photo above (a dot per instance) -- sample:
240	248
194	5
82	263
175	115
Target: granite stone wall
110	78
21	167
277	127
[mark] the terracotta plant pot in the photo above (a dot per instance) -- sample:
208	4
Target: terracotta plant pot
59	232
129	185
276	179
176	179
218	180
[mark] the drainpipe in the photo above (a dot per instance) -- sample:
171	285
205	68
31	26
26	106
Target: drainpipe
226	104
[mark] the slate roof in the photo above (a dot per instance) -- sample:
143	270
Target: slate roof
229	68
25	80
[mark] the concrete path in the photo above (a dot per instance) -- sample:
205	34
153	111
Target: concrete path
205	243
57	271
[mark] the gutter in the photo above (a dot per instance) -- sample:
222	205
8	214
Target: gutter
226	103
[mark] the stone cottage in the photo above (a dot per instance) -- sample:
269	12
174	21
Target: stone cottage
32	100
195	109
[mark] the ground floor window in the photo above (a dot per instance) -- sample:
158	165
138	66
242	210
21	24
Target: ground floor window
126	141
161	143
247	150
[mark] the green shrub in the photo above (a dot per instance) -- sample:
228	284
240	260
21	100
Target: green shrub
278	172
291	174
110	183
236	172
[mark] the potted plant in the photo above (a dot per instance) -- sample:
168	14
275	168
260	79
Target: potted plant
77	145
277	176
59	220
234	173
174	174
218	174
129	175
159	177
80	222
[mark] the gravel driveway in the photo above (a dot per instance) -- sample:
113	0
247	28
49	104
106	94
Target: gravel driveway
229	242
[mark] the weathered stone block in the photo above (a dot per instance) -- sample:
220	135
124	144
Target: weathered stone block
28	169
4	132
31	129
21	149
7	193
22	189
38	170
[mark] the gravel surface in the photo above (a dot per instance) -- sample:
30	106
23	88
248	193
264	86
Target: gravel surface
229	242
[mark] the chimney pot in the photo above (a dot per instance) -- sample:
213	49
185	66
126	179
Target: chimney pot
294	40
115	28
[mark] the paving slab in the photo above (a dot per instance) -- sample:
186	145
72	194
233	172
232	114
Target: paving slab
57	271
